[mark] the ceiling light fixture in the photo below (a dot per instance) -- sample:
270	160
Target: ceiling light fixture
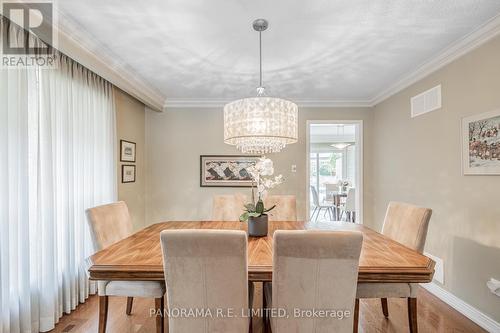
340	145
260	125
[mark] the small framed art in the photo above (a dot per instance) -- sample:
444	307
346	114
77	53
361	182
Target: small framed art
127	151
128	173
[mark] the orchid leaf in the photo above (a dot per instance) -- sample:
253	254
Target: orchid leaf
250	207
259	207
269	209
244	217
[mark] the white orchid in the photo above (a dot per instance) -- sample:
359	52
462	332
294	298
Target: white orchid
260	173
264	167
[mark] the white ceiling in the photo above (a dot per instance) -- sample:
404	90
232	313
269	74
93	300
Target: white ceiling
323	50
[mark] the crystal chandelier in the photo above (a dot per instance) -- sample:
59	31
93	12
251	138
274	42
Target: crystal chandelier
262	124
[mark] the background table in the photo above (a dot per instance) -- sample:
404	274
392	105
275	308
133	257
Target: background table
139	256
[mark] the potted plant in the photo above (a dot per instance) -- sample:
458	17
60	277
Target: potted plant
344	185
255	212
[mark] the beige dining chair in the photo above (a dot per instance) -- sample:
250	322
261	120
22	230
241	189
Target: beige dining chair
313	270
206	269
109	224
285	210
228	207
406	224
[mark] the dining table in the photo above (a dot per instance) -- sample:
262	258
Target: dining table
139	256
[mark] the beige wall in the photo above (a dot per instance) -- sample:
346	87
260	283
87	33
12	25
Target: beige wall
176	139
419	160
130	126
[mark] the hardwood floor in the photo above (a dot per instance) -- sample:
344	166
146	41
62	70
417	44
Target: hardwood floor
433	316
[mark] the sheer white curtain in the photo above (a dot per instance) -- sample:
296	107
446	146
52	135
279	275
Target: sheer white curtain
57	158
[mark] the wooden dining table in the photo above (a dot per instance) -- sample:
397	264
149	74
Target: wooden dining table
139	256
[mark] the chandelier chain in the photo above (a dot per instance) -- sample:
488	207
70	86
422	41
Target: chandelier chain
260	59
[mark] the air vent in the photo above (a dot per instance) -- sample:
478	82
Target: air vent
427	101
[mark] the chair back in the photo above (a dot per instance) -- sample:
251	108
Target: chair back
206	269
285	210
350	201
109	224
315	270
330	188
228	207
315	196
407	224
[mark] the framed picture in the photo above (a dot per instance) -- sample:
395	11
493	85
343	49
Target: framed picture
128	173
127	151
226	170
481	144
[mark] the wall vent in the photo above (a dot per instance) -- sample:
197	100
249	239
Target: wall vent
427	101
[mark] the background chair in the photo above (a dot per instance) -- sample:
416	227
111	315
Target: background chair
330	188
228	207
349	208
319	207
206	269
406	224
285	210
313	270
109	224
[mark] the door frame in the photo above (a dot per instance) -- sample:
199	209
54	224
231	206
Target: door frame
359	164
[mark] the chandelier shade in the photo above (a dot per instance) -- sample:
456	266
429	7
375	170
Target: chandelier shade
260	125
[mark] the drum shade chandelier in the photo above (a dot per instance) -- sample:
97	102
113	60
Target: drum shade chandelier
262	124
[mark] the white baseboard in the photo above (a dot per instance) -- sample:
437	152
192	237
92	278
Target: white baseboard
464	308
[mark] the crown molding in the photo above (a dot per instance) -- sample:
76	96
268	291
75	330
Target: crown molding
219	103
456	50
106	65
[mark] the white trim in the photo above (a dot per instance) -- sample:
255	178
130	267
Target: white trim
464	308
456	50
219	103
106	65
359	163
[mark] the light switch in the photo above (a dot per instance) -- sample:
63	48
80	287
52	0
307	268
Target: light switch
294	168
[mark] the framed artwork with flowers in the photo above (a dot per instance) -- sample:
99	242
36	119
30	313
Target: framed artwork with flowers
481	144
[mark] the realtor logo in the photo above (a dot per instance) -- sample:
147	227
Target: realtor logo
37	18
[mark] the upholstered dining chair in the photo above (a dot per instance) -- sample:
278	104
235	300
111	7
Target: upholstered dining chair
228	207
406	224
286	207
304	265
206	269
109	224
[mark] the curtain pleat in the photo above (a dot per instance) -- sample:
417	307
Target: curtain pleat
57	158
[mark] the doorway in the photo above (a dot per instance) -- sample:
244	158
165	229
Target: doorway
335	170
